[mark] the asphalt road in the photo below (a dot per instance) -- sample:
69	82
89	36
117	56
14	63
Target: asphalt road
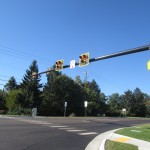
47	133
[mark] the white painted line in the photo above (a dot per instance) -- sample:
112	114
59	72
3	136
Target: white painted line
76	130
47	123
58	126
43	123
66	128
36	122
86	121
88	133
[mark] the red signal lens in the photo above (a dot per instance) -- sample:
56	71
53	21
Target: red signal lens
84	56
59	62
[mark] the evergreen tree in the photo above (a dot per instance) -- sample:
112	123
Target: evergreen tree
96	99
2	100
114	107
78	80
147	104
58	90
11	85
31	88
130	102
140	107
49	95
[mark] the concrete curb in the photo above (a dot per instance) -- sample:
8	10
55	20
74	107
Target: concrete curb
98	143
102	146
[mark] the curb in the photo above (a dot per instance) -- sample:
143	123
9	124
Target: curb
102	146
98	143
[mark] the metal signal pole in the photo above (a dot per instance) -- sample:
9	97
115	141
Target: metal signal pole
121	53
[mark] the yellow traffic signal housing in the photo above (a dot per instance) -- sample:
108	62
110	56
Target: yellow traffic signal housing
34	75
59	65
84	59
148	65
48	71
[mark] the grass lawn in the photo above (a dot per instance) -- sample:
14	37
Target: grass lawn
141	132
111	145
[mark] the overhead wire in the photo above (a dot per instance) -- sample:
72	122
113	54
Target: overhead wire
5	76
19	56
3	80
28	56
104	79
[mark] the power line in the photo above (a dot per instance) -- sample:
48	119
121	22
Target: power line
102	78
131	51
9	77
18	56
25	53
3	80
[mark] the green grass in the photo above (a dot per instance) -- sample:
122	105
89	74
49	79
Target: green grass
143	135
111	145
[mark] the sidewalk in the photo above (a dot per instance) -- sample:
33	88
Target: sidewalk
98	142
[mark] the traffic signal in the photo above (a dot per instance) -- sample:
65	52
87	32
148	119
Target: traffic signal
48	71
84	59
34	75
59	65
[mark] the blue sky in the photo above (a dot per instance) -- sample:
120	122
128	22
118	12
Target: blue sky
49	30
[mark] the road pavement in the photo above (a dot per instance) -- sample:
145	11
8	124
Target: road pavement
56	133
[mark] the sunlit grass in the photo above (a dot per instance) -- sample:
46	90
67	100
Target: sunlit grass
112	145
143	132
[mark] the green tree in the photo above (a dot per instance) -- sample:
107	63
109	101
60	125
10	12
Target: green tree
11	85
2	100
140	107
147	104
48	103
96	99
58	90
31	88
78	80
13	100
114	104
130	102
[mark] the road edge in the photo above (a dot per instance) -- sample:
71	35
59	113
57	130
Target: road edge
98	142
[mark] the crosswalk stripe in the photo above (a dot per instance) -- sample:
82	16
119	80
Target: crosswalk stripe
76	130
35	122
88	133
58	126
66	128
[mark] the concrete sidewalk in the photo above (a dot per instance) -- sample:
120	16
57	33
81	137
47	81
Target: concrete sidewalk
98	143
142	145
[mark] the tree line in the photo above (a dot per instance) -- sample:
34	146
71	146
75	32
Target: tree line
49	98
